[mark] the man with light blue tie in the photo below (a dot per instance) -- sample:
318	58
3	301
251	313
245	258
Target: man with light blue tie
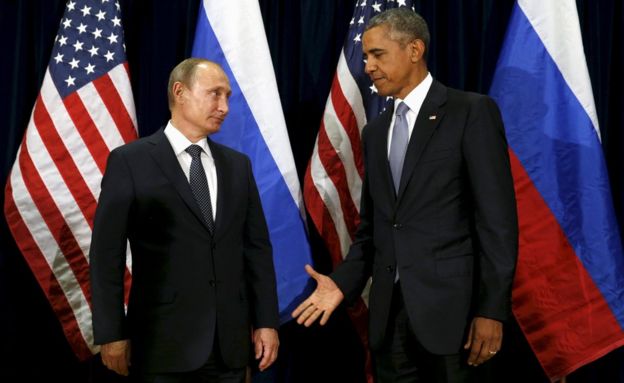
438	232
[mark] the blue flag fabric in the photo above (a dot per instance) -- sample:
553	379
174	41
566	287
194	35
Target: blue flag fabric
232	35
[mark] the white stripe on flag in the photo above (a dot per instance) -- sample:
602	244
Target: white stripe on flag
240	42
121	81
342	145
58	190
58	265
100	116
557	25
66	129
329	195
351	91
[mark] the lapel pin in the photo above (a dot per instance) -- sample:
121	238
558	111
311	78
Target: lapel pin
432	117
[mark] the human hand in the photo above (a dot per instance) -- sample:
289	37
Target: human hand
323	301
116	356
484	340
266	343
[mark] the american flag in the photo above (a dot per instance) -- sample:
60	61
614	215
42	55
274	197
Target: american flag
84	110
333	179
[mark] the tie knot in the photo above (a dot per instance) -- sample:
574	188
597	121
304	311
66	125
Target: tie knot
194	151
402	109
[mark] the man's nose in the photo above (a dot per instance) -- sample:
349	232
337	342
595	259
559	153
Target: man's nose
369	67
223	105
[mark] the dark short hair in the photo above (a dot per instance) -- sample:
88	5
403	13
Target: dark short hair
405	25
184	72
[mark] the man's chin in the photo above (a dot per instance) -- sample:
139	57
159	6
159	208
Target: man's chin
383	93
213	129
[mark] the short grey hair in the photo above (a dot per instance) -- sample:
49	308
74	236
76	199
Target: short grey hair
184	72
405	25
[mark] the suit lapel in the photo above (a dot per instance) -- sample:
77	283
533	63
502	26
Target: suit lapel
429	116
163	155
223	187
378	142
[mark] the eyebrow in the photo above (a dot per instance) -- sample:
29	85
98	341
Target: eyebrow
220	88
375	50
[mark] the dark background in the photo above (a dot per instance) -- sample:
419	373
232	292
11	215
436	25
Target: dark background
305	38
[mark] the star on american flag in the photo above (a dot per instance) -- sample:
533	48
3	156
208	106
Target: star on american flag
87	45
364	11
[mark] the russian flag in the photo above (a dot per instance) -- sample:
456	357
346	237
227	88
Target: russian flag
568	295
231	33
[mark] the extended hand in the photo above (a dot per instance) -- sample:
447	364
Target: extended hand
323	300
116	356
484	340
266	343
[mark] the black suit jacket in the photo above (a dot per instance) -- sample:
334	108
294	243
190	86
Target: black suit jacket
188	286
452	229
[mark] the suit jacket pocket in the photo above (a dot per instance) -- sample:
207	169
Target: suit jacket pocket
456	266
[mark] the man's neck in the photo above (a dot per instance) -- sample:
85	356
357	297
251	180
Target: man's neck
186	129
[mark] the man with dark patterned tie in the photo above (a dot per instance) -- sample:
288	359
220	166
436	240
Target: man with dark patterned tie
203	283
438	231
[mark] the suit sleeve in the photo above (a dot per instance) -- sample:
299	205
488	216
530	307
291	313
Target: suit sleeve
108	251
260	273
492	189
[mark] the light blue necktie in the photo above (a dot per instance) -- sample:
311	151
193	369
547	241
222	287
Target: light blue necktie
398	145
199	185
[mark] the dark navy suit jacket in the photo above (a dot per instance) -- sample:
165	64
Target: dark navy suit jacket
188	287
451	230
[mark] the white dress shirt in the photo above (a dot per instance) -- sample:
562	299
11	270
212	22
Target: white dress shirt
179	143
414	101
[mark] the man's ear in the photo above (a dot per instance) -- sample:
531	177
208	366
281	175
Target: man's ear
417	48
178	91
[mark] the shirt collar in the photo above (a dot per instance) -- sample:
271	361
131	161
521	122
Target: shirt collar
416	97
179	142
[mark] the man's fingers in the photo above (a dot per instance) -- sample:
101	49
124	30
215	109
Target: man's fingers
304	305
311	272
312	317
307	312
258	348
116	356
269	355
469	339
116	364
308	316
475	350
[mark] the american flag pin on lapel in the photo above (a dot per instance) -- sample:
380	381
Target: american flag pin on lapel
432	117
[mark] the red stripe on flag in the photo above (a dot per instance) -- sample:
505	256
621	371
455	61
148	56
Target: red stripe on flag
107	91
64	161
335	170
45	277
321	217
327	229
55	221
347	119
87	129
565	318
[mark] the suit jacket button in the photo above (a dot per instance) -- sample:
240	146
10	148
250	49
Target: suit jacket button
212	283
397	226
390	269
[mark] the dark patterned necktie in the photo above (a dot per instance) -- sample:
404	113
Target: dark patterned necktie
199	185
398	145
